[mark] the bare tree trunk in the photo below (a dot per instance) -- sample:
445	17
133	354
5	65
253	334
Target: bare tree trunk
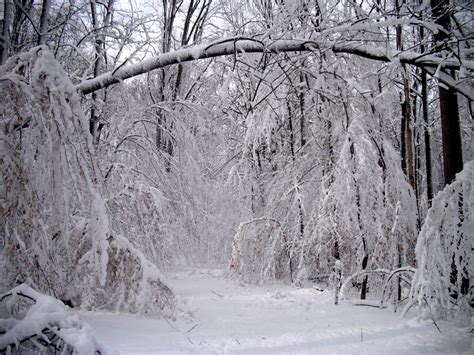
363	288
429	179
94	118
451	134
365	258
94	125
406	133
417	155
301	97
191	30
424	100
43	28
450	125
409	136
403	146
448	101
5	42
164	139
293	157
18	36
337	275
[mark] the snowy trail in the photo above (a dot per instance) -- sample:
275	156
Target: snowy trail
220	316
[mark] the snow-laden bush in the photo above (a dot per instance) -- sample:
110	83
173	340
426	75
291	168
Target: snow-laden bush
443	284
367	211
260	251
41	323
58	237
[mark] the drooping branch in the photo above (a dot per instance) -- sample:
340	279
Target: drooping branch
237	45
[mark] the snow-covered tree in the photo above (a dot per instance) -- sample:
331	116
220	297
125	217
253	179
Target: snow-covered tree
57	227
442	286
367	215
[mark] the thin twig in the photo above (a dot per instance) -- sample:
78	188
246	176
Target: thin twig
217	294
171	325
190	330
434	322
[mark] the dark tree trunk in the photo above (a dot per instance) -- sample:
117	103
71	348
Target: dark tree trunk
94	117
451	134
424	100
337	272
403	146
448	101
302	109
363	289
424	97
94	126
409	137
43	28
5	39
450	125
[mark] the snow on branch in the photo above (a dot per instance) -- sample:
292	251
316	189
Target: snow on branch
235	45
462	86
259	250
57	234
442	286
47	326
382	272
402	270
360	273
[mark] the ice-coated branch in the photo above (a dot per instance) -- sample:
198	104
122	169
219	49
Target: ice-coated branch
237	45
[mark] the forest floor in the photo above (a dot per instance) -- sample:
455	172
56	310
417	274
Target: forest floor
218	315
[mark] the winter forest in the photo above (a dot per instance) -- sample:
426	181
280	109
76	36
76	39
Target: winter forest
236	176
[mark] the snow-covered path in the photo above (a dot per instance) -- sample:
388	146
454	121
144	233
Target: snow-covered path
218	315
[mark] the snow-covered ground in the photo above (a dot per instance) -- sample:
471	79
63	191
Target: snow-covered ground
217	315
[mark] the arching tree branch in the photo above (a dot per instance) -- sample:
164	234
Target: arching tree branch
248	45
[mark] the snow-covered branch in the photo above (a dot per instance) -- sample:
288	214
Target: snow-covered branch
442	284
46	324
360	273
237	45
57	226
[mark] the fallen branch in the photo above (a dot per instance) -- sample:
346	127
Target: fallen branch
367	303
47	323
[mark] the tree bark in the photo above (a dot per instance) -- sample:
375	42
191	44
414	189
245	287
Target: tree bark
301	97
451	134
5	42
409	136
424	99
448	101
43	28
94	125
450	125
429	179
